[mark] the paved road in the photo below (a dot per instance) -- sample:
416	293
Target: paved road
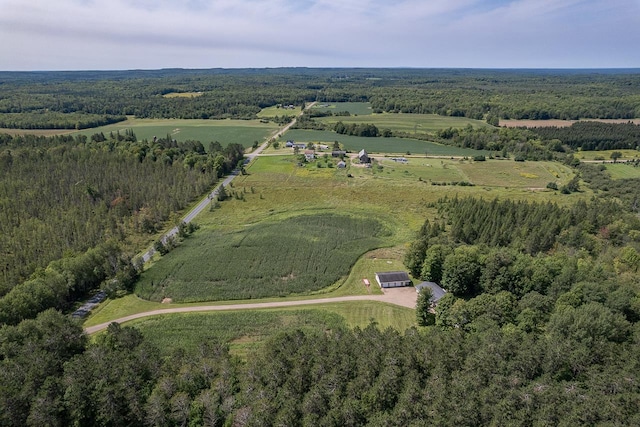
205	202
404	297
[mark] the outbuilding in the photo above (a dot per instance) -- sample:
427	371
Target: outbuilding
363	156
393	279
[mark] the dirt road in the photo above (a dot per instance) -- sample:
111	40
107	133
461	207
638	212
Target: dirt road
404	297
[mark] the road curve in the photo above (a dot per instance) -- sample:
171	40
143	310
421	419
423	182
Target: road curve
404	297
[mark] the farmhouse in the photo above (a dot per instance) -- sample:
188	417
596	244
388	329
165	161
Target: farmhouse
300	145
393	279
309	155
289	144
364	157
436	291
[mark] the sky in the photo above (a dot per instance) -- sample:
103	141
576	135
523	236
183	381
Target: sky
152	34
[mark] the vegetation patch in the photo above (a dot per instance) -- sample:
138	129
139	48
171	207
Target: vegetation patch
293	256
340	108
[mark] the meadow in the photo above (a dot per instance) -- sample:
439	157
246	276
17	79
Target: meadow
377	145
623	171
354	108
245	330
226	132
275	110
408	123
606	155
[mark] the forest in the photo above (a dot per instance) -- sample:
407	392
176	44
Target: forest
32	100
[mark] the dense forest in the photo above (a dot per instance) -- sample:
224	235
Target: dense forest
589	136
64	195
35	99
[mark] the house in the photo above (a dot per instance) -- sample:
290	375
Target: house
341	164
436	291
299	145
289	144
364	157
309	155
393	279
338	153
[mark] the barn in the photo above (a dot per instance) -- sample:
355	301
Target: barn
393	279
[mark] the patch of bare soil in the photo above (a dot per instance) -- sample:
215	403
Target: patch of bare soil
167	301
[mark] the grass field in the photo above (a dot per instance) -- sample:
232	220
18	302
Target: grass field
606	155
296	255
244	330
278	111
409	123
623	171
182	95
378	145
243	132
359	108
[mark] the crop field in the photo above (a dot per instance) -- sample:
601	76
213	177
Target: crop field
293	256
358	108
409	123
243	132
623	171
278	111
378	145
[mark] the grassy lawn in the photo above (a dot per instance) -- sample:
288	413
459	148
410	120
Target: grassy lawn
225	131
623	171
378	145
359	108
409	123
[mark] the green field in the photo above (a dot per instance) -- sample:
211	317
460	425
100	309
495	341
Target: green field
623	171
289	256
278	111
378	145
606	155
409	123
243	132
357	108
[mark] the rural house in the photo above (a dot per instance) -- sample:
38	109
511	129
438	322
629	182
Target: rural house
364	157
393	279
289	144
309	155
436	291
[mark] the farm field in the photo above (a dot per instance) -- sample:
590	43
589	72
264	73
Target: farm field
225	131
311	253
359	108
409	123
377	145
606	155
507	173
278	111
623	171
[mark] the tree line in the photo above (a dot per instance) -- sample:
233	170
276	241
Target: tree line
65	194
590	136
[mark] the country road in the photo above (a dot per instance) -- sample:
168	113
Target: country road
404	297
205	201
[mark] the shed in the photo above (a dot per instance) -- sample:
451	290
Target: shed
364	157
436	291
342	164
393	279
338	153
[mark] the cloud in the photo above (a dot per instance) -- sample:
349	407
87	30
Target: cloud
256	33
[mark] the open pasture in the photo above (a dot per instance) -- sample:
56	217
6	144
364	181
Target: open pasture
274	111
409	123
358	108
296	255
508	173
623	171
378	145
606	155
182	95
228	131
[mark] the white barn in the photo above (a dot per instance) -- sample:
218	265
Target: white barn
393	279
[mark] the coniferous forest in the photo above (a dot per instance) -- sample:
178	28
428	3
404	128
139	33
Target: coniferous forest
540	324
